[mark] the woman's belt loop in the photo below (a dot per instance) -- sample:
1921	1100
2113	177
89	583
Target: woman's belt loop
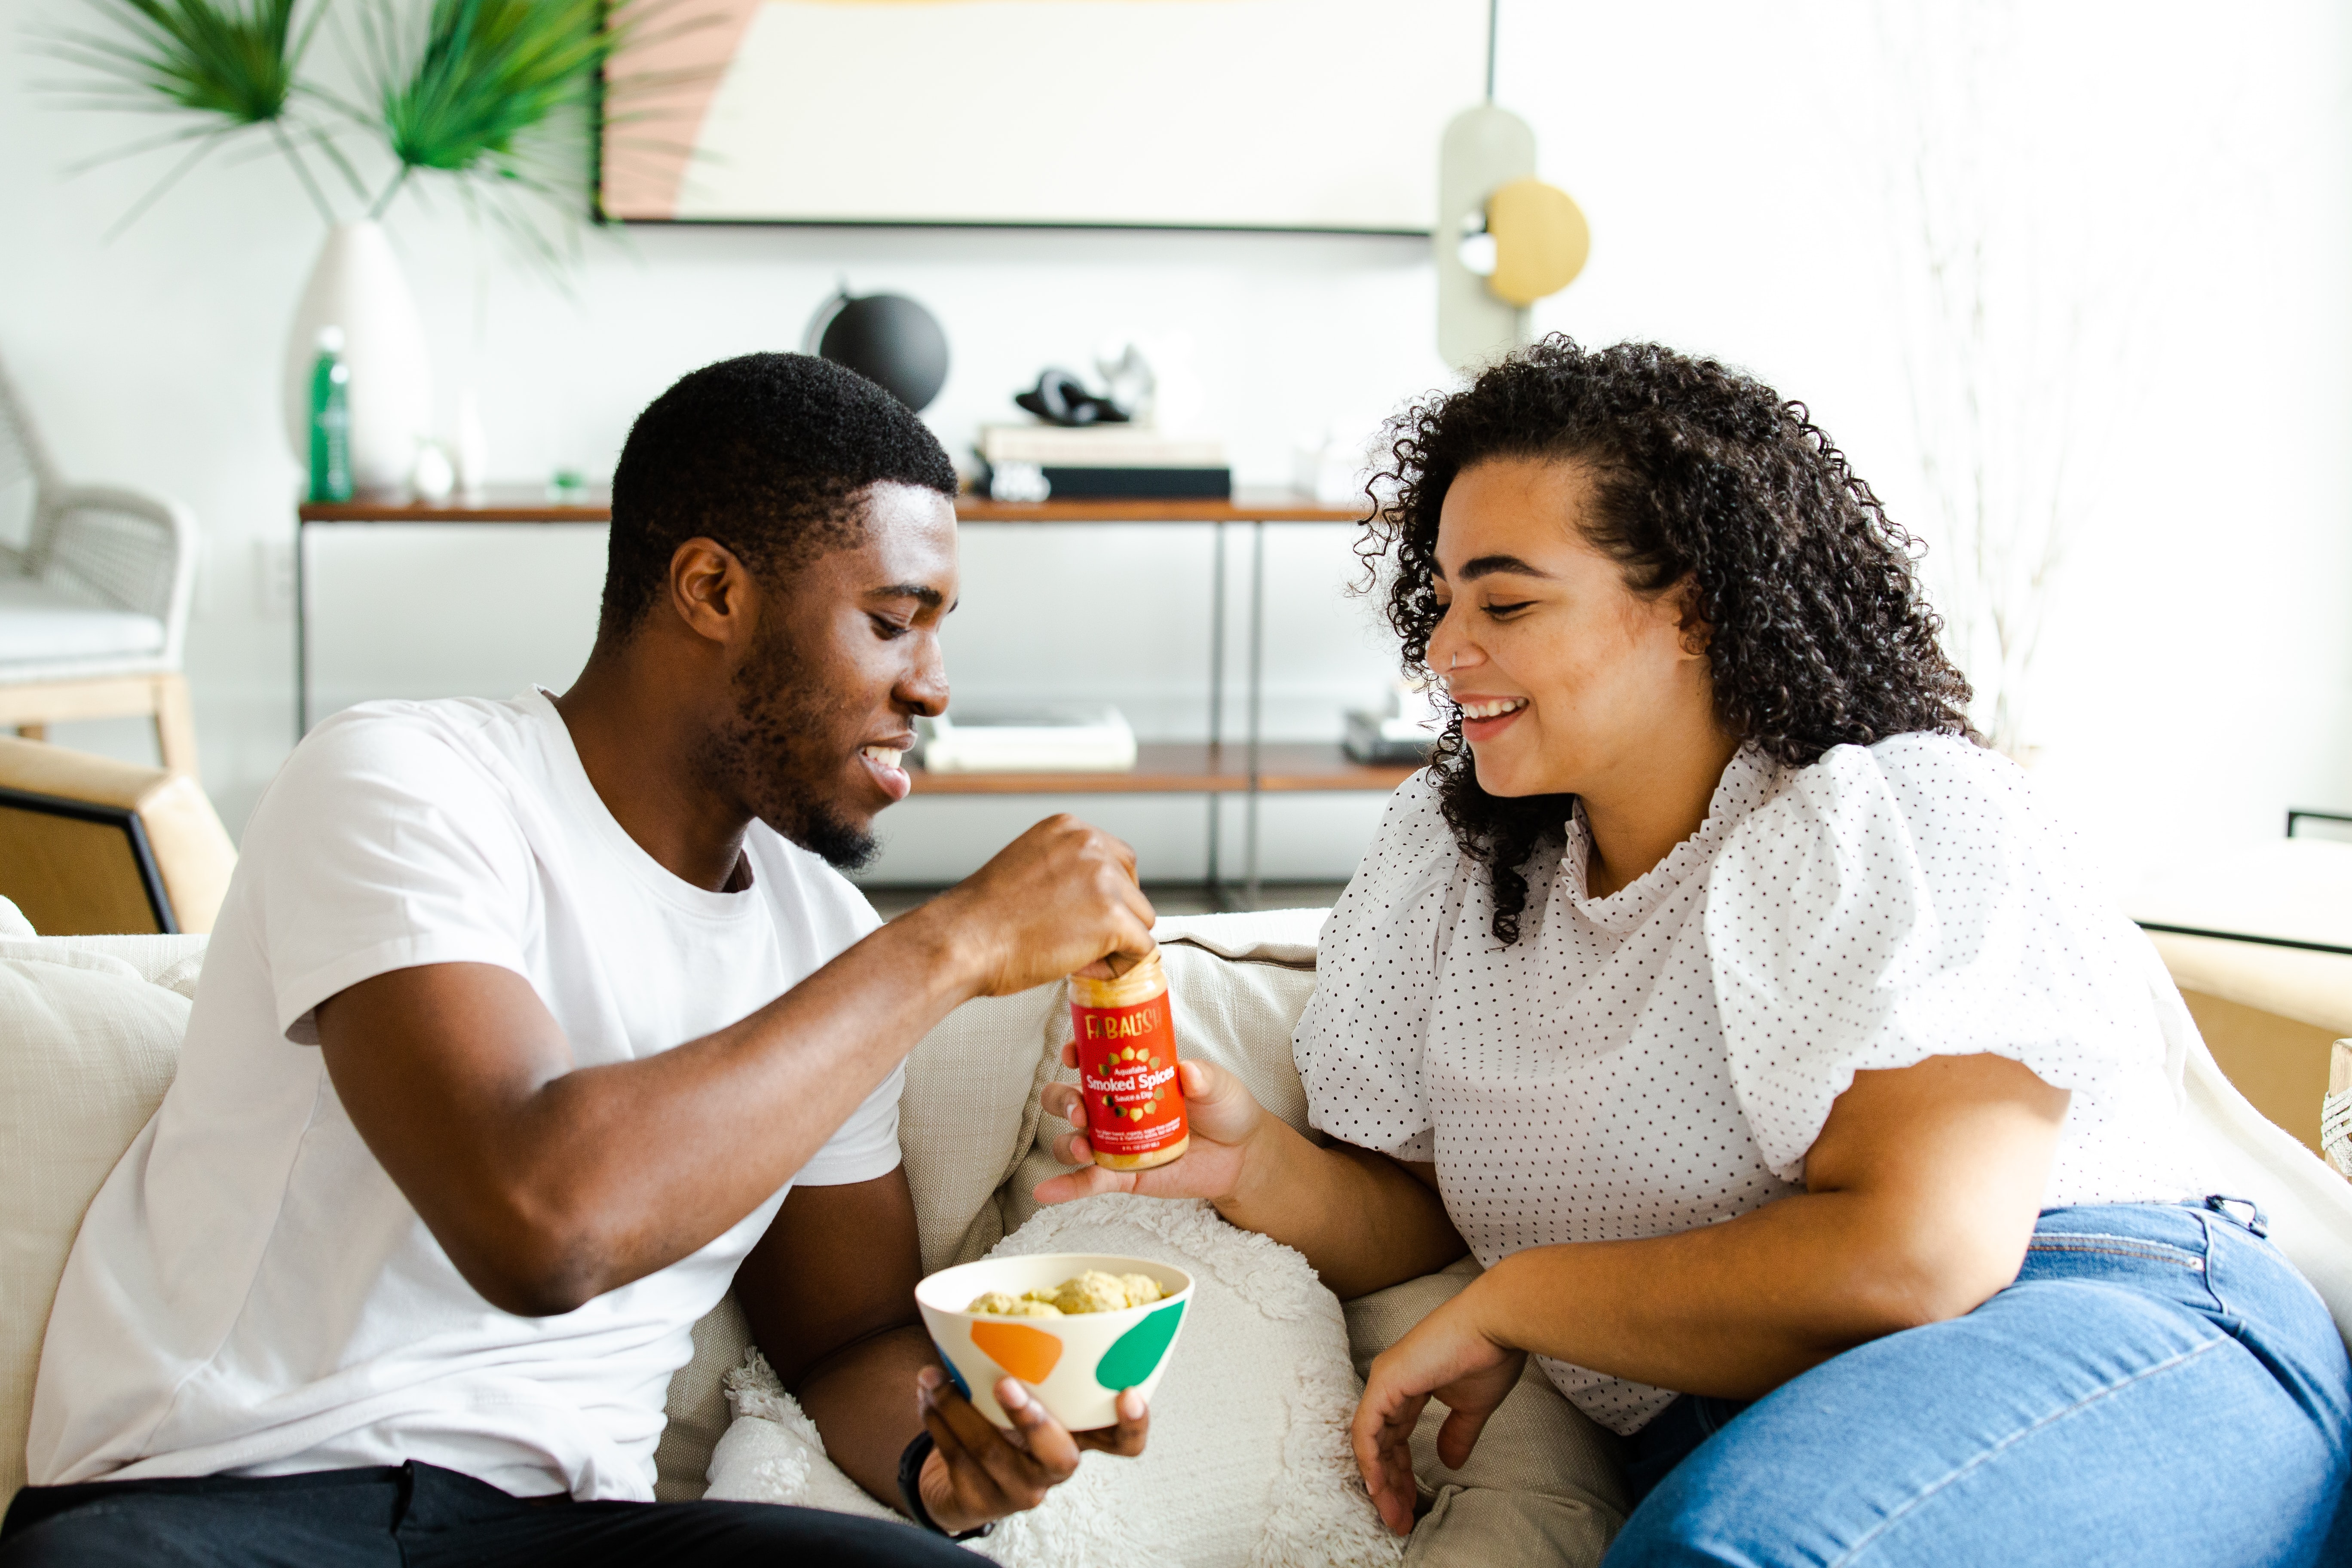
2256	1221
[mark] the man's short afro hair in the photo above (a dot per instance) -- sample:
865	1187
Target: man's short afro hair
764	453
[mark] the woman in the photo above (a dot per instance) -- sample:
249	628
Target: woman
1814	1121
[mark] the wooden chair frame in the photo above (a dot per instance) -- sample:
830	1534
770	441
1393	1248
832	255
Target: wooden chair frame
33	706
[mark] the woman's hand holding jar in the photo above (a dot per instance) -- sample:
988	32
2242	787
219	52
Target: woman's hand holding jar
1223	1119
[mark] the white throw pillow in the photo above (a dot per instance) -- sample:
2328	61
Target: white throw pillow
773	1453
1248	1465
88	1044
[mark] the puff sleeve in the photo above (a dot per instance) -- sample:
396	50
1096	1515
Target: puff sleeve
1360	1040
1906	900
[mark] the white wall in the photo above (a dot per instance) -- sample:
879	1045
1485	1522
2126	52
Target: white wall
1744	189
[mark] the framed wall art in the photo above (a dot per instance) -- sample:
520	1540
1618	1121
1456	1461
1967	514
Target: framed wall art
1314	115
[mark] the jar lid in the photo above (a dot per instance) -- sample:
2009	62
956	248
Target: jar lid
1146	980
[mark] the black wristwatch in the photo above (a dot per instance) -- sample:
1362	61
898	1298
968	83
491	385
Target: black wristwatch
910	1489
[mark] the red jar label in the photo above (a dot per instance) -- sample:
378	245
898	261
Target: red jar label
1127	1071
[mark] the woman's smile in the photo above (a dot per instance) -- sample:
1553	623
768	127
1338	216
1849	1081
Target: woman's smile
1484	718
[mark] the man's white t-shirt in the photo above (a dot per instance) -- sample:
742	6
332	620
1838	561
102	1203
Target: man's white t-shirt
250	1293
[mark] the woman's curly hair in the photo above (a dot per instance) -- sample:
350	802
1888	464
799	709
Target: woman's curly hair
1817	633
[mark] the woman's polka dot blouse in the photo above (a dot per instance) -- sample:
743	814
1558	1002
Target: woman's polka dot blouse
1663	1058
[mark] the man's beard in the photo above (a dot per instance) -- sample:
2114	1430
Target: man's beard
773	753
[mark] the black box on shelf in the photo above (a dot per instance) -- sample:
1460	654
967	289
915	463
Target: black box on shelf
1124	484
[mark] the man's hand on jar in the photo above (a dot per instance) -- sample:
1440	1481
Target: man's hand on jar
979	1471
1058	897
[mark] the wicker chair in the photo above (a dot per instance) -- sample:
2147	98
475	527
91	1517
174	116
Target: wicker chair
94	589
2336	1111
89	846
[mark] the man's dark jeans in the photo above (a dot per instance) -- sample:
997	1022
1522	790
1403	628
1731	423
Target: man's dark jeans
421	1516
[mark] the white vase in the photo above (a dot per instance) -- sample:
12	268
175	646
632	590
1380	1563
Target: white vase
469	447
357	286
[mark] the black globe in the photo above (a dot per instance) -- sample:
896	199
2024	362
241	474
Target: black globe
890	340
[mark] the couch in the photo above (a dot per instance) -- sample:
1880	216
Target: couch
89	1026
2269	1014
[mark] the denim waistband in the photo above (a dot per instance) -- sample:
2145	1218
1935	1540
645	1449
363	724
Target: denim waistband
2181	1222
2170	1250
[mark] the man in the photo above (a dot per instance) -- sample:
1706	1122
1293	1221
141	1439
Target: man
528	1028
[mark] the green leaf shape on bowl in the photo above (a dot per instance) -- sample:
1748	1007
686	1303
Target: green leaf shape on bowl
1130	1360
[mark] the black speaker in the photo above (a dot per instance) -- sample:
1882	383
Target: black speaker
887	339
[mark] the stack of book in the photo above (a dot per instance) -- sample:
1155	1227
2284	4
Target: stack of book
1099	462
1045	741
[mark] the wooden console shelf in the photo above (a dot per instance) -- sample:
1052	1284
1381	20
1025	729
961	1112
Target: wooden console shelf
1250	767
523	503
1185	768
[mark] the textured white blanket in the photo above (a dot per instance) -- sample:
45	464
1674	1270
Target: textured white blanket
1249	1465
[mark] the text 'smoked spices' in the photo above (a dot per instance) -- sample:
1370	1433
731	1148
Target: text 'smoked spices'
1127	1068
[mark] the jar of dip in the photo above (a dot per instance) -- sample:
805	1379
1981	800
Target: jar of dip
1127	1068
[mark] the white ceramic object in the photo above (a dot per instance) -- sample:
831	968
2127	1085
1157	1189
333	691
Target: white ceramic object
470	447
357	285
433	478
1077	1364
1129	381
1328	467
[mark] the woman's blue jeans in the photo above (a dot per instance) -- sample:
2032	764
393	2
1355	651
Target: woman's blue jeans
2158	1387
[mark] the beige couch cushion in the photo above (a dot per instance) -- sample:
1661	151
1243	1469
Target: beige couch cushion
698	1409
969	1112
1546	1482
88	1044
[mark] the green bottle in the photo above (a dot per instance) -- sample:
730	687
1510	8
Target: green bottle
330	420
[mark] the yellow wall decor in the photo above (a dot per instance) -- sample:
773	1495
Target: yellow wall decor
1535	238
1541	240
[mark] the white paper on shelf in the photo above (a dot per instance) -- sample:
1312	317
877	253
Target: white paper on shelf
1073	741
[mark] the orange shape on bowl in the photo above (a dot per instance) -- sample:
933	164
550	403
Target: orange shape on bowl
1027	1354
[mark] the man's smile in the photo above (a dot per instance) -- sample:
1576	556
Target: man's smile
882	761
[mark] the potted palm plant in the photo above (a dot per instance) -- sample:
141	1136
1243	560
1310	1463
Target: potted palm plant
492	99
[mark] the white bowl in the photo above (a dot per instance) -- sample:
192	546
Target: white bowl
1079	1364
